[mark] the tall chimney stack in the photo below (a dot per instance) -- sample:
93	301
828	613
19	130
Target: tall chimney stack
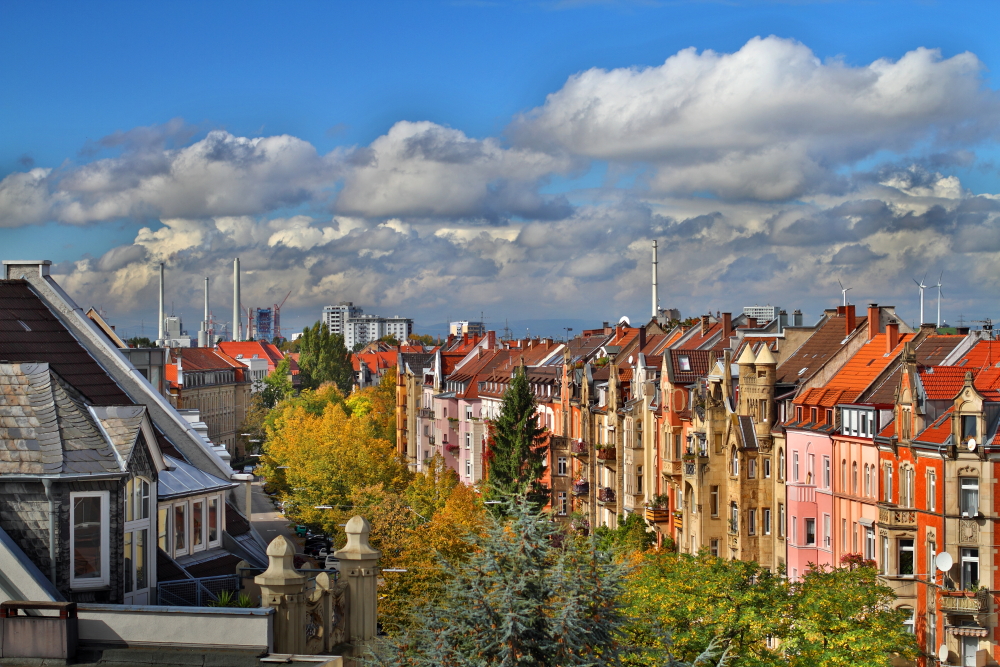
237	334
159	336
204	340
873	320
656	298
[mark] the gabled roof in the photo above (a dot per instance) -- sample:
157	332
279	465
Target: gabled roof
930	351
699	363
698	341
939	432
122	425
204	359
250	349
856	375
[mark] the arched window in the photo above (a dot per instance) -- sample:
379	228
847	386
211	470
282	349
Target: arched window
854	478
734	464
843	474
867	482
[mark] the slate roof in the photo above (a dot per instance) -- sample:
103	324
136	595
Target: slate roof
46	428
30	332
748	435
122	424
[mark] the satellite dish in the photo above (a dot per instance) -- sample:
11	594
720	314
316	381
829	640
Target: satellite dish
943	561
943	653
624	320
971	444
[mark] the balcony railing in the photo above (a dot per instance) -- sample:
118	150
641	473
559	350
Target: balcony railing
607	454
581	488
430	439
451	447
690	467
891	517
965	602
580	448
606	495
425	413
676	467
658	515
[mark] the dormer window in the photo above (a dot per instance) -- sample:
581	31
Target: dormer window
684	362
969	426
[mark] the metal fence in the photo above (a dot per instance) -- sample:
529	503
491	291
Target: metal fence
195	592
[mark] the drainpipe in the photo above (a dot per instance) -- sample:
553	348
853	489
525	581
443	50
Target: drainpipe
47	483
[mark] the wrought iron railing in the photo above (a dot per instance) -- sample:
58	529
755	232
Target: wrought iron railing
606	495
579	447
581	488
425	413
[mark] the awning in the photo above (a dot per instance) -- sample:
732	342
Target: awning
868	523
968	631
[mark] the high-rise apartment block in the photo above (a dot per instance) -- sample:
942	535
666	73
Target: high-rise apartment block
357	328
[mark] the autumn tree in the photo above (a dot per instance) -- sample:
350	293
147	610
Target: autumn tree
432	487
525	596
682	603
515	453
323	358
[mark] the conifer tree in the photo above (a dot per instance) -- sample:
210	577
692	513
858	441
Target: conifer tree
323	358
528	596
515	456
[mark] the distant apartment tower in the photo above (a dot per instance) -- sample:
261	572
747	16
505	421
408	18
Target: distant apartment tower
335	317
364	329
762	313
471	328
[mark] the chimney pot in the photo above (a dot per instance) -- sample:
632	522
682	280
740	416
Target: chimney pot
727	325
706	324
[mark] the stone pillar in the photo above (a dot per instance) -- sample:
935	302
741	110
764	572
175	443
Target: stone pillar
359	569
282	587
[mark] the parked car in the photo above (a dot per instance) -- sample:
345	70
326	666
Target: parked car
331	563
248	470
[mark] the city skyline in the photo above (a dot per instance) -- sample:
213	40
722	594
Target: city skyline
773	150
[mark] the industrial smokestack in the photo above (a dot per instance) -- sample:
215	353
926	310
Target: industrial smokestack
159	335
204	340
237	334
656	298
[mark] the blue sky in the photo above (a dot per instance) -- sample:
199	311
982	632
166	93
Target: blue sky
339	76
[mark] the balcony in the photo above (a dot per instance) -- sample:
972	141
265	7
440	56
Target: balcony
690	468
579	448
425	413
657	515
964	602
606	495
452	448
607	454
673	468
581	488
890	517
430	440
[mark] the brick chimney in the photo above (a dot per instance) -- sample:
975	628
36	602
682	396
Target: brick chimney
873	327
706	324
751	323
642	338
851	318
891	336
727	325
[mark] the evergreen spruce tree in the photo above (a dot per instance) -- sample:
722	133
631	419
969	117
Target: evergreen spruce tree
529	596
514	456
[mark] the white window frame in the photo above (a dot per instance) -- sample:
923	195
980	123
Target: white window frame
561	466
765	523
187	528
220	511
105	578
195	548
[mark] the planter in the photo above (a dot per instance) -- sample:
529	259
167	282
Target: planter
606	454
658	515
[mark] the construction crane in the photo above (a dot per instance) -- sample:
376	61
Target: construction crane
277	315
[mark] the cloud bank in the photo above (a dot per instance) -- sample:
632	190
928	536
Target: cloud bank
753	169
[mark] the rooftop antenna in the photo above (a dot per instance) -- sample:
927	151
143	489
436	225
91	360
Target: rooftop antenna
922	287
939	299
844	290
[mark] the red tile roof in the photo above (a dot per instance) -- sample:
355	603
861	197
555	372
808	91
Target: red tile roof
816	350
697	340
856	375
938	431
251	349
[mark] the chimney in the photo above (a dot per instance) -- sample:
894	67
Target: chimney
782	320
873	323
751	323
656	299
237	324
159	339
841	311
642	338
797	318
705	324
851	318
727	325
891	336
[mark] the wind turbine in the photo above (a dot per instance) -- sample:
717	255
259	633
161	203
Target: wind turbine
939	298
844	290
922	287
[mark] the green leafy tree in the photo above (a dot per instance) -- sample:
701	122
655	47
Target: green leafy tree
629	538
515	453
390	339
323	358
139	341
843	618
425	339
528	595
431	487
